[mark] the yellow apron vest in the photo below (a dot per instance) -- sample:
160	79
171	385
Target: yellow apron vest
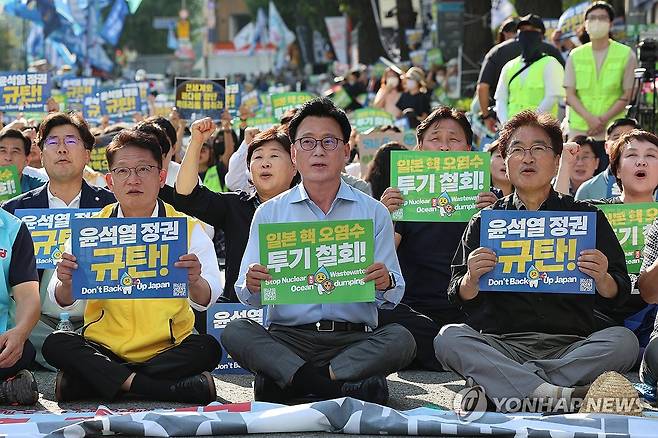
138	330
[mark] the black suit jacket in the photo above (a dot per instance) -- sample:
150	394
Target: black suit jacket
91	197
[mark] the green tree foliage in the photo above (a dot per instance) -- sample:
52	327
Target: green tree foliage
11	48
138	31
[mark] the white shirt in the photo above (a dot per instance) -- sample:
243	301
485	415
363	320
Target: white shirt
199	244
553	89
55	202
48	308
237	176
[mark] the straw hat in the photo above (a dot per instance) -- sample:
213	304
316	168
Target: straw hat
612	393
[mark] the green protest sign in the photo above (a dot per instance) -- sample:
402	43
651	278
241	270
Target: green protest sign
439	186
434	57
629	221
340	97
317	262
282	102
262	123
368	118
10	182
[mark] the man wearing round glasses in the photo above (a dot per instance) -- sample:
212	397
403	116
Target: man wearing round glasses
142	347
323	350
546	344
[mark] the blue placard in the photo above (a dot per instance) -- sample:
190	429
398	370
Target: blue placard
233	98
23	91
537	251
91	108
129	257
218	317
77	88
50	229
119	102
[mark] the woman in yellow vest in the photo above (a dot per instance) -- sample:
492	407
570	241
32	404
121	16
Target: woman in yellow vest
598	77
532	81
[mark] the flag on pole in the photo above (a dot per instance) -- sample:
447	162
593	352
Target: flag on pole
114	22
280	35
258	32
172	41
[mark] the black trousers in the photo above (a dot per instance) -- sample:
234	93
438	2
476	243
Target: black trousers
104	372
22	364
424	327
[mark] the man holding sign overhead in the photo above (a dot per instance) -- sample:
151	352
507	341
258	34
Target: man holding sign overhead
144	347
323	346
538	337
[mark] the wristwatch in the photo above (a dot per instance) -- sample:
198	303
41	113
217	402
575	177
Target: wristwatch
393	283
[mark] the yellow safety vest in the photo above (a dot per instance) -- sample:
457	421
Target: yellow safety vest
598	93
212	181
527	92
137	330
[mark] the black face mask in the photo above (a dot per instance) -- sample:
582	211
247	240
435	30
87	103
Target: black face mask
530	42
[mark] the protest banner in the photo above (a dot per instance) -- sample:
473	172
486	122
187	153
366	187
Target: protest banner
339	96
370	142
50	229
198	97
251	100
10	182
418	58
317	262
23	91
630	221
76	89
233	98
120	102
91	108
282	102
434	57
572	19
217	318
143	87
163	104
369	118
98	159
537	251
262	122
439	186
129	257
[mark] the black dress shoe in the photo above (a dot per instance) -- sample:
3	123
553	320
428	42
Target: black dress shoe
267	390
195	389
68	388
372	389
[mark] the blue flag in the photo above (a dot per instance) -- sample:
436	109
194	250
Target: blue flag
49	15
18	8
114	22
172	41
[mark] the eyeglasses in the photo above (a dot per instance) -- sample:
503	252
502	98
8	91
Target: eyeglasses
604	17
328	143
69	141
123	173
585	158
536	151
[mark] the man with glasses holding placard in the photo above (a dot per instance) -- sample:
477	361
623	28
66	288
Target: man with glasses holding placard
66	143
321	350
142	347
539	346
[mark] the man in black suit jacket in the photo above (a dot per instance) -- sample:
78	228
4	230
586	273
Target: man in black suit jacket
65	143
